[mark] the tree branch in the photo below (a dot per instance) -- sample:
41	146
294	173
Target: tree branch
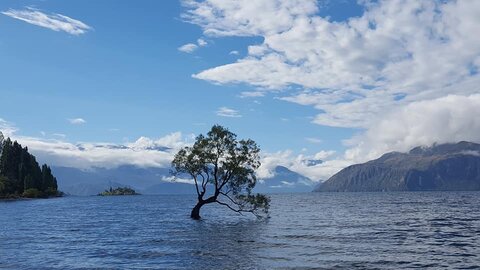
225	181
203	184
231	208
232	200
196	184
215	171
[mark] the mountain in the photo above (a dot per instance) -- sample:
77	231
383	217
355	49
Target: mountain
453	166
93	181
154	181
284	180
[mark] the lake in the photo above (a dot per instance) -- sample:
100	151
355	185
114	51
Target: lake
307	231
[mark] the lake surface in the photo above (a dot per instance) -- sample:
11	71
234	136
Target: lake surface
306	231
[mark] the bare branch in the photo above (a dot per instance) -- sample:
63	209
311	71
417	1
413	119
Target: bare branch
203	184
231	208
196	184
232	200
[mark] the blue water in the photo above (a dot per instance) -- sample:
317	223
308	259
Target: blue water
306	231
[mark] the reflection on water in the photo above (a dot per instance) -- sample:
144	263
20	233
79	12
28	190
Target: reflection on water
309	231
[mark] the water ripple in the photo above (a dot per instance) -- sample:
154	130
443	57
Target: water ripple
306	231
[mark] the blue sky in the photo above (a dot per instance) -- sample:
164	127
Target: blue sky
326	75
127	74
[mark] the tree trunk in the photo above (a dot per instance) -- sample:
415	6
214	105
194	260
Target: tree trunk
196	211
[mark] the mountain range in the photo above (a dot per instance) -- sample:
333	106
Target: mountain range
442	167
159	181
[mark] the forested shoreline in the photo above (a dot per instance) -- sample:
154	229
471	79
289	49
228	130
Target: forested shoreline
20	174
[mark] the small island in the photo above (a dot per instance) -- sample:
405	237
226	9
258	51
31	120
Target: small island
118	192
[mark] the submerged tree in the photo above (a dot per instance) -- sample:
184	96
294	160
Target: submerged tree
223	170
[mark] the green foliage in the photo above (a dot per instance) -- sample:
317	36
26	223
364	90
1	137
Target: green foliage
5	185
32	193
118	191
20	174
225	164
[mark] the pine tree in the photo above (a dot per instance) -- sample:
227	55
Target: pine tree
1	142
20	173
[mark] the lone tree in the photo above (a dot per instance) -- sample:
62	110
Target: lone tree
226	165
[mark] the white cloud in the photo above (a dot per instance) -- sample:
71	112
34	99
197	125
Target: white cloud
174	140
61	135
53	21
244	17
201	42
396	53
234	53
191	47
7	128
448	119
286	183
228	112
300	164
323	154
188	48
451	119
250	94
144	152
148	152
174	179
405	72
77	121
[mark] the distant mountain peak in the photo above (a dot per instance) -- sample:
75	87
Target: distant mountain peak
152	180
313	162
446	148
285	180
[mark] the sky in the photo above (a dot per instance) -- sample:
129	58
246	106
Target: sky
107	83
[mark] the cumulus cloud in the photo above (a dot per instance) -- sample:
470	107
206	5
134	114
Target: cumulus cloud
452	118
404	72
251	94
396	53
174	179
7	128
191	47
244	17
144	152
323	154
61	135
77	121
302	164
228	112
148	152
53	21
201	42
173	140
447	119
188	48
